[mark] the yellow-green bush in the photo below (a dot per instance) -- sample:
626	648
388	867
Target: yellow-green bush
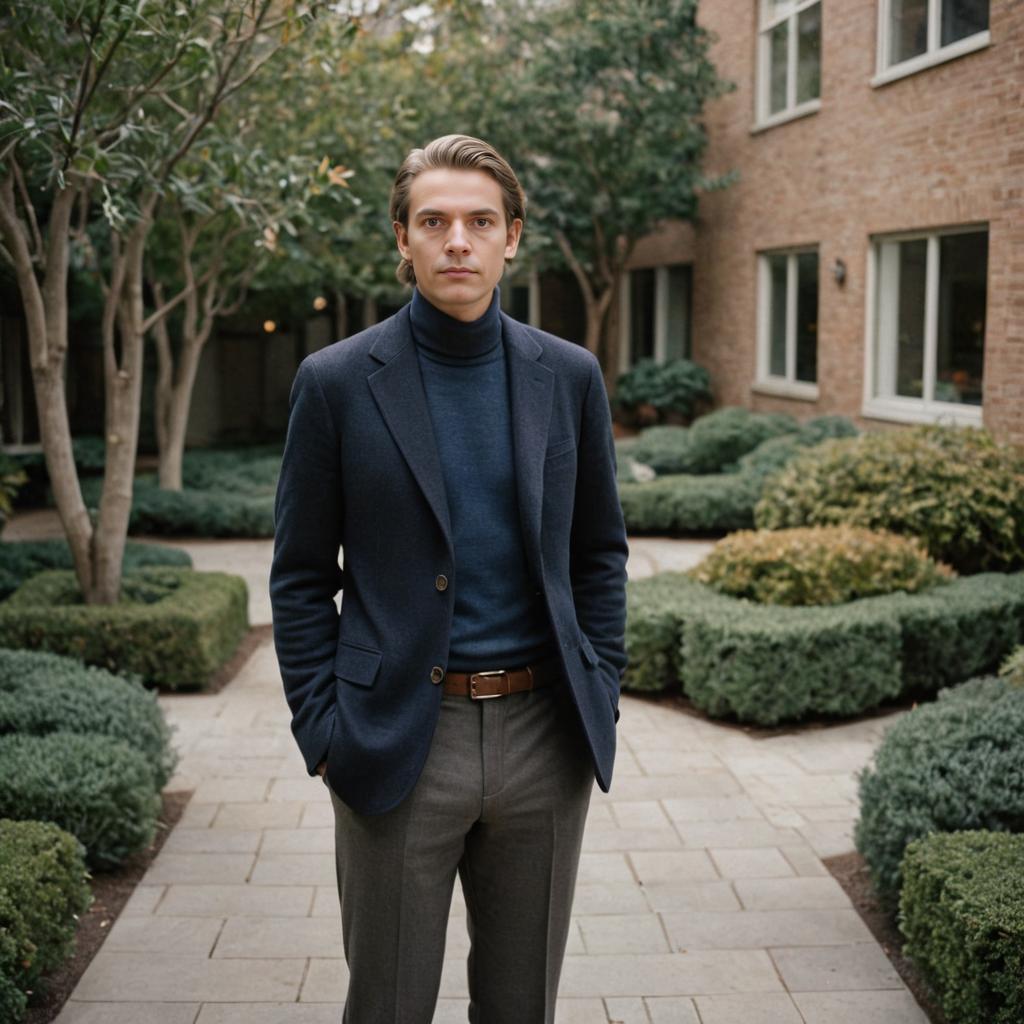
818	565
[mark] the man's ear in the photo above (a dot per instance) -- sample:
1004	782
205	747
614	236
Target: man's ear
515	232
402	238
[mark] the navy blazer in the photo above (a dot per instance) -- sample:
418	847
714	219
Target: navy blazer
361	473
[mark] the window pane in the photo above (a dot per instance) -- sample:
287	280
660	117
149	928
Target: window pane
962	18
677	340
641	314
807	317
908	29
808	70
960	350
515	300
777	317
777	67
910	319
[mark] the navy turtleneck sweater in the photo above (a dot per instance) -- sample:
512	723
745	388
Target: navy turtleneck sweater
499	620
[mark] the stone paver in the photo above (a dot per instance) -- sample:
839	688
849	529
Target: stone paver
701	897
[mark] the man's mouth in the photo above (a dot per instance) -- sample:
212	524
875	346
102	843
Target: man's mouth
457	271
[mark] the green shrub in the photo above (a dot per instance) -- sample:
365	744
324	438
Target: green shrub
773	455
43	888
690	504
177	641
99	789
712	444
817	565
766	664
673	386
12	478
955	488
962	911
21	559
42	693
950	765
1012	669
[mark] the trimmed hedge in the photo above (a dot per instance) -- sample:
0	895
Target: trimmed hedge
99	789
767	664
186	625
955	488
946	766
962	911
818	565
677	385
22	559
42	693
683	503
43	888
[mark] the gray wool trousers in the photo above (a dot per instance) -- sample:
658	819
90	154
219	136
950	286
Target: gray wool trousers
502	802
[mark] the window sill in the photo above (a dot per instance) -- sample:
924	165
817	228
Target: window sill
810	107
786	389
895	410
929	60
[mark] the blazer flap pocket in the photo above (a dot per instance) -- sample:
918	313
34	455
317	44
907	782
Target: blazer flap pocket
560	447
588	652
356	664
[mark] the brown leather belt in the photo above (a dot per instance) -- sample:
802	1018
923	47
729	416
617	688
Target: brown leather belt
500	682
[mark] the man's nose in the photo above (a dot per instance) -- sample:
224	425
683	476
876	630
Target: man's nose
458	239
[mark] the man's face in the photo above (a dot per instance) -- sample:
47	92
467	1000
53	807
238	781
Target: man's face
457	239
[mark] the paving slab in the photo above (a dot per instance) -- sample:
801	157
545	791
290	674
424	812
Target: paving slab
701	896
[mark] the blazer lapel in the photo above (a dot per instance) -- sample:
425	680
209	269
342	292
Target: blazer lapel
397	388
531	390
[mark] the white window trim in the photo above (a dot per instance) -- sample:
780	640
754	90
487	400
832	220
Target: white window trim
792	109
532	283
894	408
765	382
934	54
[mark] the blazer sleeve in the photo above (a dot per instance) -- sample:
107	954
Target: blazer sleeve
598	548
304	574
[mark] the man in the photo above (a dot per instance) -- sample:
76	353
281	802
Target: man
462	704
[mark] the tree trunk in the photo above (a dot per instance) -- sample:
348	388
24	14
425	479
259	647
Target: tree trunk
178	404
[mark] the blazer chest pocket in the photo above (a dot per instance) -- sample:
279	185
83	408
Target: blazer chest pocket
560	448
356	664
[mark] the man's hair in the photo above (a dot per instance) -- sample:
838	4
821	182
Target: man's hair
458	153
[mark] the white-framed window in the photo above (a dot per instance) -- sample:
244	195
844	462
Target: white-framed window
789	60
917	34
520	297
787	323
925	344
654	314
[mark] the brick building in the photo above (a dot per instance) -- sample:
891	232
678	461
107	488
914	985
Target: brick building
869	261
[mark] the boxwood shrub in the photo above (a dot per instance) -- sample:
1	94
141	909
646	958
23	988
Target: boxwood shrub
949	765
43	887
182	628
99	789
818	565
766	664
677	385
955	488
24	558
42	693
962	911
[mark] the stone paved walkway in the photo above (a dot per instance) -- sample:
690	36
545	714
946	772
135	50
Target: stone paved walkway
701	895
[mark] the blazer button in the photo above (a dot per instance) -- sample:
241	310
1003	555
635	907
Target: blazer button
441	582
436	674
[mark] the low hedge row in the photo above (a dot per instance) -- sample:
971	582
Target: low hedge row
184	627
962	912
952	764
956	489
767	664
818	565
685	503
22	559
99	789
43	888
41	693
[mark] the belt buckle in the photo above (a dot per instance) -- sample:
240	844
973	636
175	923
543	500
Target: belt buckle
487	696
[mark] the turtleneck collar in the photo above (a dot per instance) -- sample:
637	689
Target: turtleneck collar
443	334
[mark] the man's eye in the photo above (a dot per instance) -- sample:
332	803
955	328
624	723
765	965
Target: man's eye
483	221
431	221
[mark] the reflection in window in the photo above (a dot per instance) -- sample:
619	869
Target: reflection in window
908	23
790	54
790	332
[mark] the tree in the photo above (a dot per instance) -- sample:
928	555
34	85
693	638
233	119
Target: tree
601	117
100	102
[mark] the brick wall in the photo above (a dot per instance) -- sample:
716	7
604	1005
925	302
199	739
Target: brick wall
938	148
